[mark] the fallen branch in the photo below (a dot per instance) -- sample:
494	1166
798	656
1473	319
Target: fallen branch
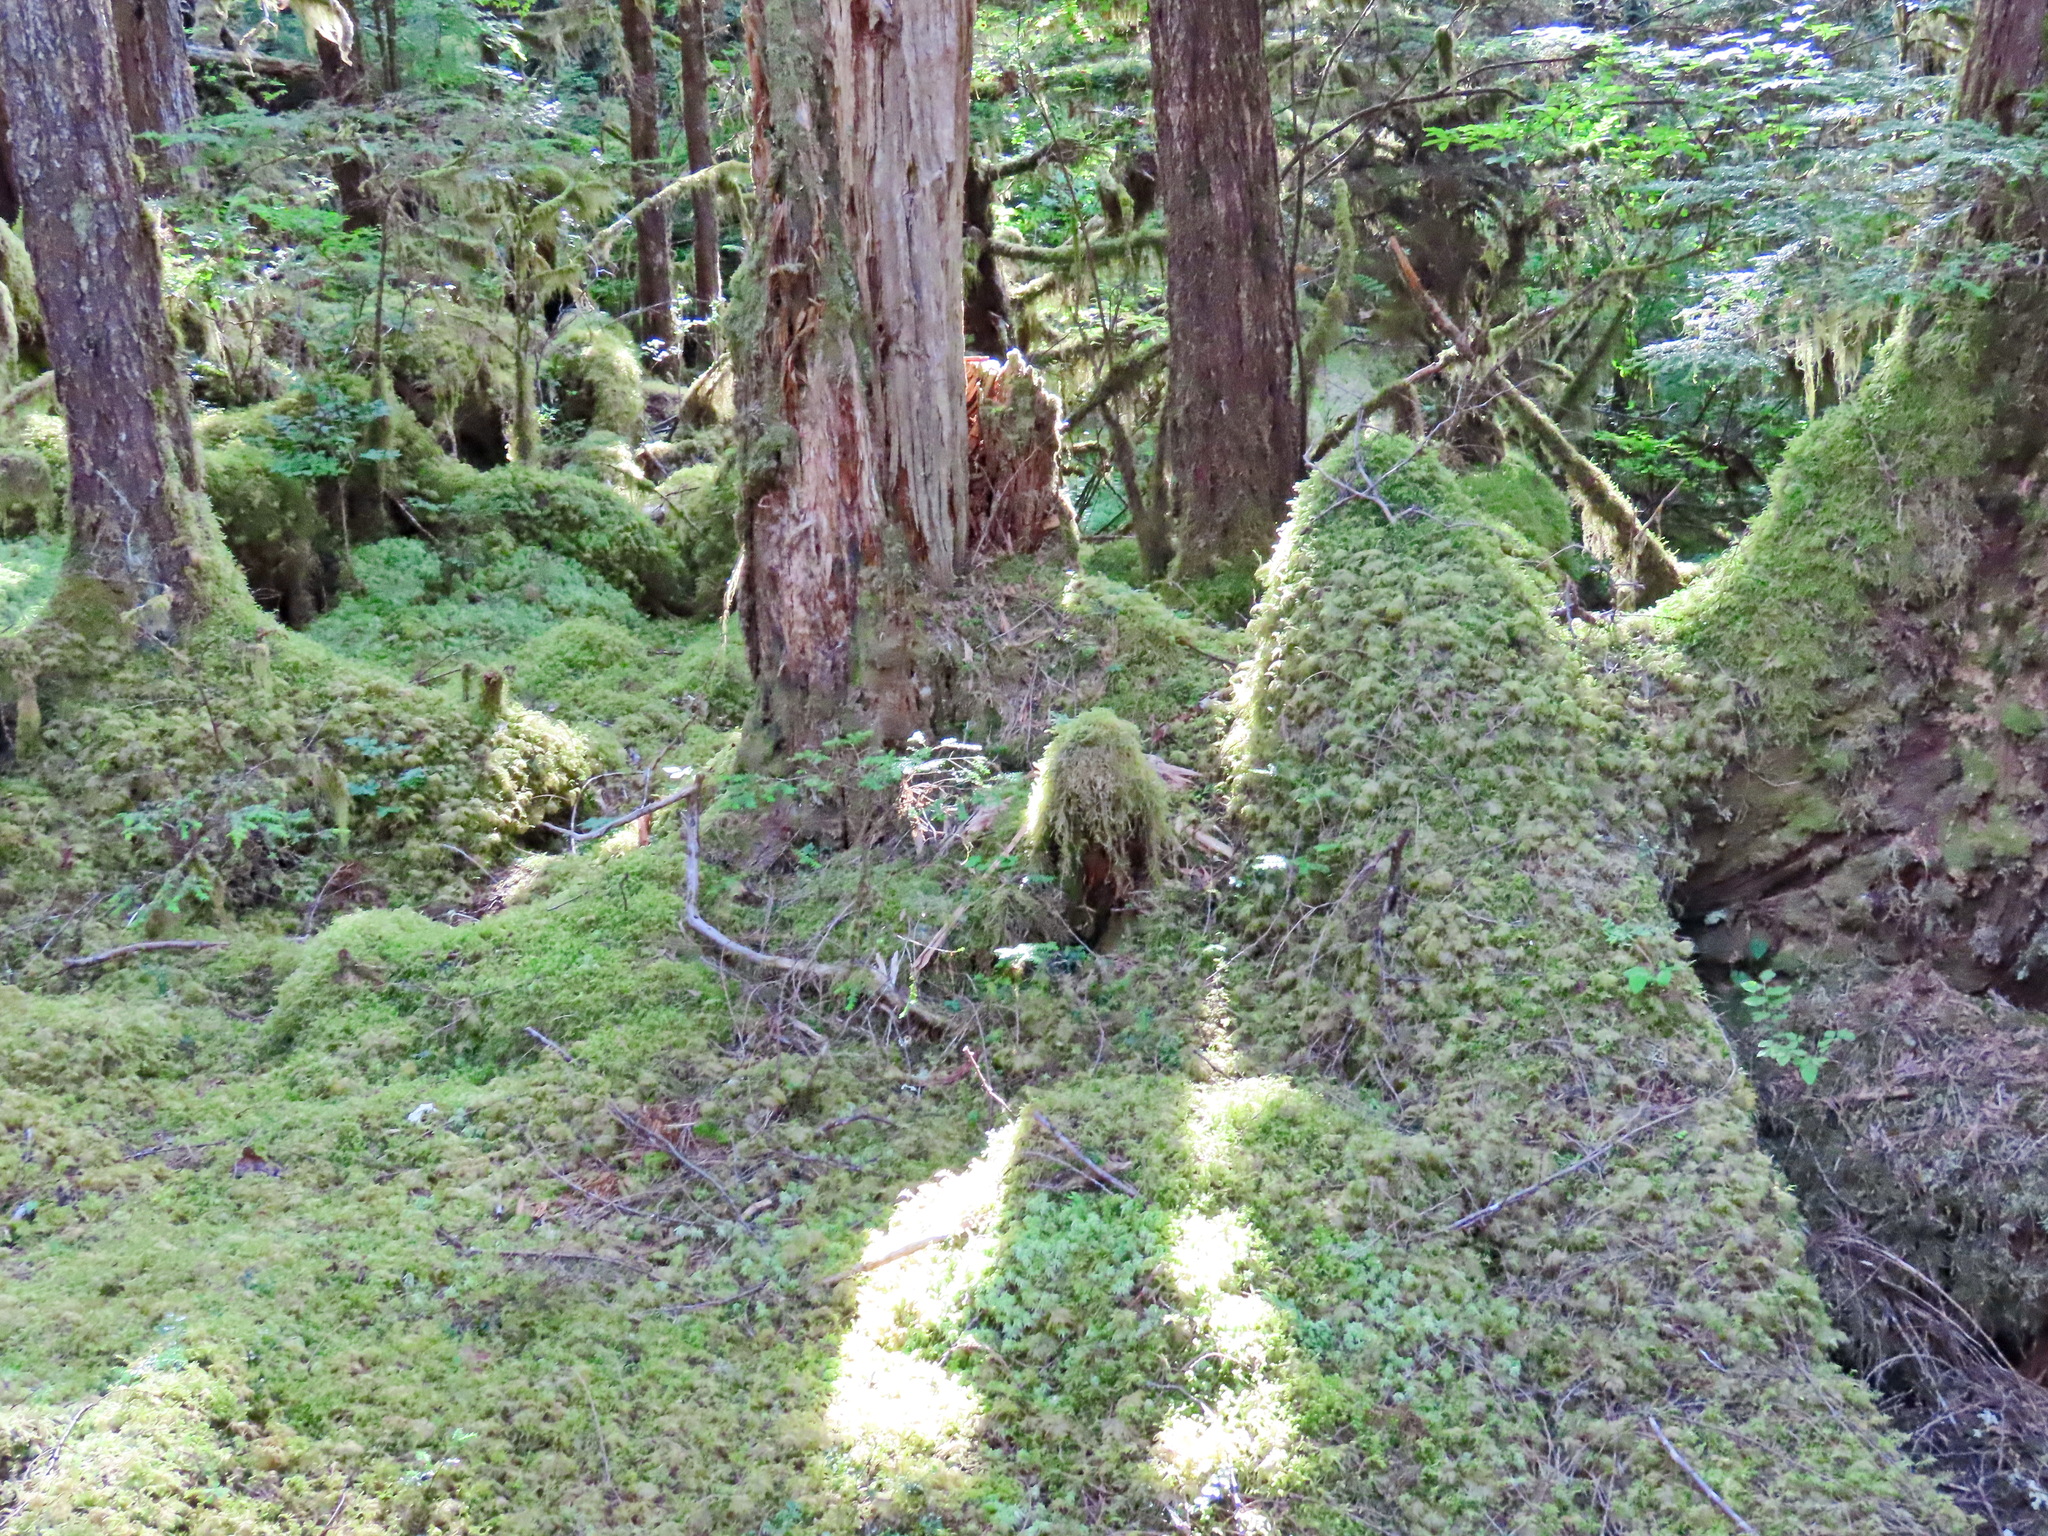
80	962
1078	251
543	1256
870	1265
668	1144
1123	376
1333	439
1642	562
544	1040
299	71
21	394
825	972
1698	1481
1101	1174
610	824
1486	1213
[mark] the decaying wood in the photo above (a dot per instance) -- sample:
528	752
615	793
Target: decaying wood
1017	498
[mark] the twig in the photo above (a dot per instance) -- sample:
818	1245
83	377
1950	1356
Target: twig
870	1265
79	962
1101	1174
1698	1481
339	1505
986	1086
667	1144
1118	379
1486	1213
828	973
611	824
544	1040
597	1422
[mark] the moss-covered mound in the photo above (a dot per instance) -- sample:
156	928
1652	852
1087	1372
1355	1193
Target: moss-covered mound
586	521
242	773
1462	889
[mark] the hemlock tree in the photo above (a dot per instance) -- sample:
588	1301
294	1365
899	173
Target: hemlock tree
140	530
156	74
851	374
707	279
1232	428
654	291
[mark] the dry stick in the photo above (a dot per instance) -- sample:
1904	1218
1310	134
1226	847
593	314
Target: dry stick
1486	1213
79	962
1102	1175
826	972
597	1423
667	1144
1698	1481
544	1040
612	824
1652	566
867	1266
339	1505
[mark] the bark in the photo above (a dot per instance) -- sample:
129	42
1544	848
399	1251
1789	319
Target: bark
345	83
707	279
2003	64
1233	430
10	194
654	252
811	509
988	301
902	81
851	387
138	526
156	74
1148	525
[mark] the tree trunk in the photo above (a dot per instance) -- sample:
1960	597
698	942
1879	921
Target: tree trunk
344	82
654	252
707	279
1232	426
139	529
902	79
851	385
156	73
988	302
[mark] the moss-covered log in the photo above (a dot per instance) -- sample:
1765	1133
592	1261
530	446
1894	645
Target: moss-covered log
1464	821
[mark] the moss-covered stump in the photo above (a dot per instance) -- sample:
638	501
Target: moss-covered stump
1097	816
1459	818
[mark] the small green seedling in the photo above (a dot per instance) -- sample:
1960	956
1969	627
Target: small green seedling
1768	999
1789	1049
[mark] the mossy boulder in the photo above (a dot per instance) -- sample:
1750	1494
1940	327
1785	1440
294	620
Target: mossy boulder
594	364
581	518
1097	816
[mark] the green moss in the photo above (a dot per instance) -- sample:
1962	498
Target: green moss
702	505
28	575
1519	495
1457	818
29	503
2022	721
1097	802
595	363
577	517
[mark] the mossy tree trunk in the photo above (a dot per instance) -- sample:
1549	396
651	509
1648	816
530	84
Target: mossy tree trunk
851	381
140	531
156	73
654	270
1233	430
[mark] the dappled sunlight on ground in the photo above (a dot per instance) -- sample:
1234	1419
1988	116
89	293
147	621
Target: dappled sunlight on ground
887	1403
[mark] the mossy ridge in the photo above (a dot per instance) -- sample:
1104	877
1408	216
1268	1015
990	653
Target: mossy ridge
234	773
1409	693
